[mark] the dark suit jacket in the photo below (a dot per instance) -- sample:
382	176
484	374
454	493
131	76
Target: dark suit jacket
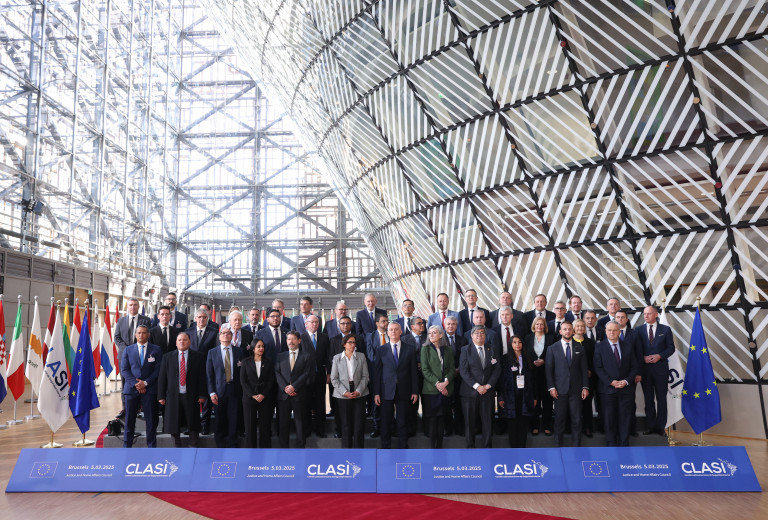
156	336
246	336
608	370
663	341
562	377
530	315
210	338
516	316
132	369
332	328
215	370
122	331
300	377
392	379
401	321
491	336
265	384
336	346
323	359
466	323
472	371
297	323
252	330
570	317
363	323
168	389
518	329
372	344
270	349
179	322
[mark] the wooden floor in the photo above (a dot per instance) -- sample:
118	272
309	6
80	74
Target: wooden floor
587	506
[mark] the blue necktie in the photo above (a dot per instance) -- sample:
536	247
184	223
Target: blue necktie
394	351
621	336
314	341
568	353
141	355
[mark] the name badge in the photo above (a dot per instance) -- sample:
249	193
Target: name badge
520	381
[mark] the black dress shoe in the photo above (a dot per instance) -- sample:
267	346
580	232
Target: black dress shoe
121	415
649	432
374	434
205	430
321	435
633	434
337	436
588	434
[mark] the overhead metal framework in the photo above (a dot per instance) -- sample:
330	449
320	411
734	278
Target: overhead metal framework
133	142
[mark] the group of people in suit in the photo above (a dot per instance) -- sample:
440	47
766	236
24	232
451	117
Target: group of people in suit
467	371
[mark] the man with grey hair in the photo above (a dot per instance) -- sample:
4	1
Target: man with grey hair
365	319
331	328
208	309
279	304
240	337
480	369
223	374
202	339
315	341
613	305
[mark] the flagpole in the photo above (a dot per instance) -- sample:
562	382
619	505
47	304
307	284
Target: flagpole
15	421
2	426
701	441
670	440
32	416
82	443
52	444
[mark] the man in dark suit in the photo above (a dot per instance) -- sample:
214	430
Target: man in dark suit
203	337
373	341
320	346
211	323
331	328
455	421
568	382
590	320
223	373
396	385
612	306
125	330
253	325
140	366
240	337
554	324
162	334
466	315
654	343
294	372
365	319
575	312
507	328
273	335
280	306
491	336
480	369
539	311
505	300
178	319
407	308
418	335
305	307
616	367
182	388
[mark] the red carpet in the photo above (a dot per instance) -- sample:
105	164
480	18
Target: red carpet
322	506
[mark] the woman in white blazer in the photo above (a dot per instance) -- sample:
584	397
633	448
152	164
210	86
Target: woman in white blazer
349	377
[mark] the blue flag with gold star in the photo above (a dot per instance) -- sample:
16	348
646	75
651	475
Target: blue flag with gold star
700	400
82	390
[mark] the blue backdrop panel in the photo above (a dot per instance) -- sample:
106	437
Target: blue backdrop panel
292	471
116	469
714	468
470	471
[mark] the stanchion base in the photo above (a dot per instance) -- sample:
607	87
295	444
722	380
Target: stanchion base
52	445
673	442
701	443
31	417
3	426
30	400
83	442
14	422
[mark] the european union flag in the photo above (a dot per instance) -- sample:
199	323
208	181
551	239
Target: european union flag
43	470
223	469
595	468
700	400
408	470
82	390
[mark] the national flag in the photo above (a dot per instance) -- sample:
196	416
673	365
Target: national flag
263	315
115	353
48	333
74	331
16	359
213	315
701	399
82	392
3	354
674	384
142	310
53	401
108	361
68	352
34	370
96	341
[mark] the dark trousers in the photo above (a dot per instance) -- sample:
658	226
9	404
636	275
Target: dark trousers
391	410
655	382
147	402
568	405
286	406
543	408
352	412
587	414
257	418
185	407
374	411
435	428
479	406
454	421
205	419
617	416
226	418
517	430
315	410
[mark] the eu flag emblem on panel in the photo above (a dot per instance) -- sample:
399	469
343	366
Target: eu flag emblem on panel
595	468
43	470
700	399
223	469
408	470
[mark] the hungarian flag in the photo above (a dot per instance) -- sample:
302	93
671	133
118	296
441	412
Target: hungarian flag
49	332
82	392
3	353
16	360
115	353
53	401
68	353
96	341
34	370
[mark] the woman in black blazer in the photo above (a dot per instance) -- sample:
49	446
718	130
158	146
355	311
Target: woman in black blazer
257	376
516	401
535	345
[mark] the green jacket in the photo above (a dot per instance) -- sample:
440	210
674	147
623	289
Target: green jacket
432	372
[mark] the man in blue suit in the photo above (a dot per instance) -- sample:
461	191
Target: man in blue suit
373	341
140	366
442	312
407	308
297	322
273	335
223	372
654	344
395	385
616	367
466	315
280	306
365	319
568	382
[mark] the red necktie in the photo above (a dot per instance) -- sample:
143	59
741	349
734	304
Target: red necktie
650	334
182	372
443	320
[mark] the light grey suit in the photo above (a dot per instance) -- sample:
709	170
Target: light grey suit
352	411
340	375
